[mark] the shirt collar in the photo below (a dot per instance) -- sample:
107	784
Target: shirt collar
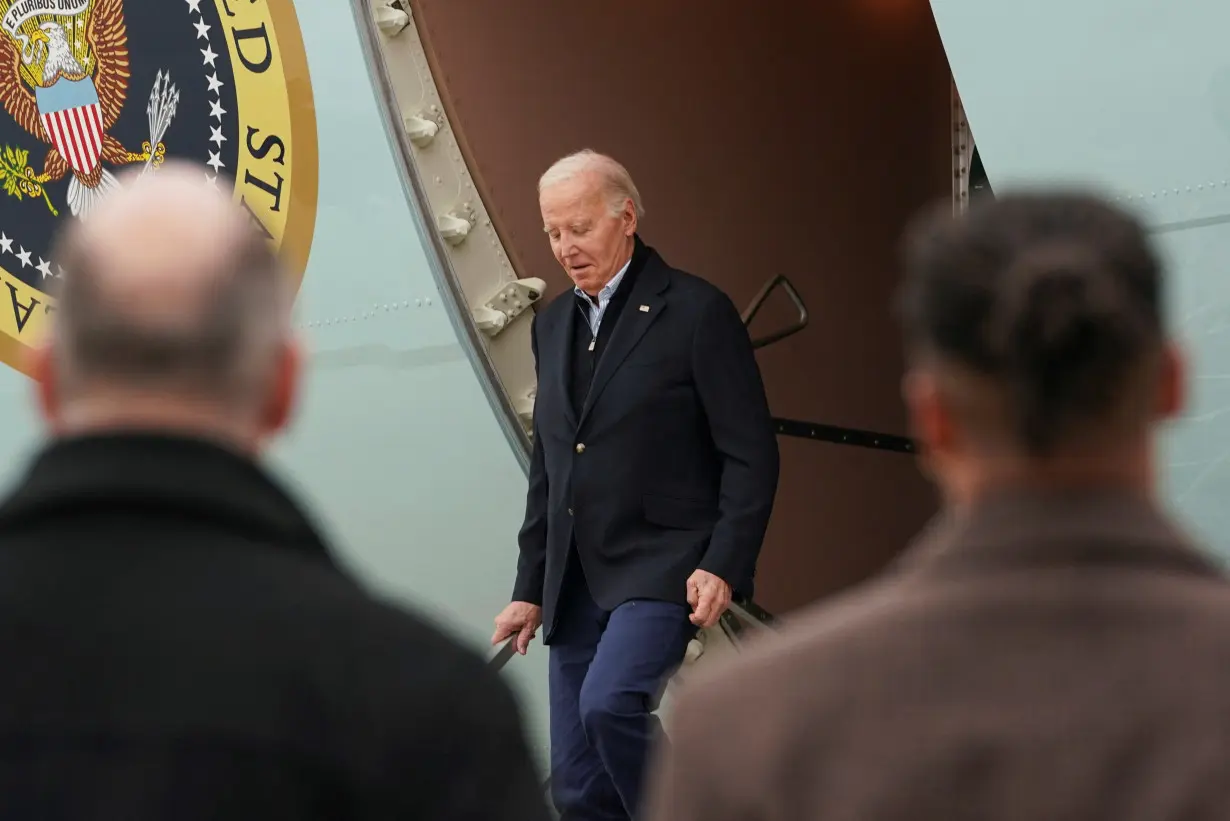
609	289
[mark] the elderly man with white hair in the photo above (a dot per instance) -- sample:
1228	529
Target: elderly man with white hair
653	475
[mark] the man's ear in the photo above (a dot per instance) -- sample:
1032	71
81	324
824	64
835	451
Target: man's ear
929	425
41	365
284	390
1172	384
629	218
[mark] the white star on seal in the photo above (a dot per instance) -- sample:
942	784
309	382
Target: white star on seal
6	244
24	256
211	180
214	82
202	30
216	109
215	135
44	267
194	5
216	161
209	55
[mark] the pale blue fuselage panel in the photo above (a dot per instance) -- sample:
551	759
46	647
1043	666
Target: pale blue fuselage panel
1132	97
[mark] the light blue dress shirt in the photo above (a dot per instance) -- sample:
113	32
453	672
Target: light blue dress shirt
593	312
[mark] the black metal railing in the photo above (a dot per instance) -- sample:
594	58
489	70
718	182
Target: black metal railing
816	431
837	435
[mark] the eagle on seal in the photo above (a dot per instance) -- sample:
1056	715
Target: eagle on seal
71	102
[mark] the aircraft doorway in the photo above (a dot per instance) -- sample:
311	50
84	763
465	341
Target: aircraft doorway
791	139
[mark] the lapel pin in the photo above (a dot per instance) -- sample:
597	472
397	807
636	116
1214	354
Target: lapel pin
645	308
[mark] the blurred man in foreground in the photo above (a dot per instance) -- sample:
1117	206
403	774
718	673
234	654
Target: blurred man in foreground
177	641
1054	646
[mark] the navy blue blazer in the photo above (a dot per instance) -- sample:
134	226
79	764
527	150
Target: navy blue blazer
672	462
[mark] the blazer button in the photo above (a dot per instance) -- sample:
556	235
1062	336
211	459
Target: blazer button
569	511
580	447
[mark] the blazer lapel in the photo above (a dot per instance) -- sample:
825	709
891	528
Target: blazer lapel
563	365
645	305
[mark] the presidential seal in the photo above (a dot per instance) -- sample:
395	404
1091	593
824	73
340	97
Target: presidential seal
90	87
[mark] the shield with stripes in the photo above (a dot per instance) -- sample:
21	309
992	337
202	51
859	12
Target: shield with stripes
69	112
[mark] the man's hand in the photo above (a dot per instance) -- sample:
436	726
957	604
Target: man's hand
520	619
709	597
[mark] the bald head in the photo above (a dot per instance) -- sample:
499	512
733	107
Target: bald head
159	248
168	290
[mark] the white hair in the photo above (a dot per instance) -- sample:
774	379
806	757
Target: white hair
615	178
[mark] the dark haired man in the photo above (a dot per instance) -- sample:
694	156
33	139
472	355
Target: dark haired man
1053	646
